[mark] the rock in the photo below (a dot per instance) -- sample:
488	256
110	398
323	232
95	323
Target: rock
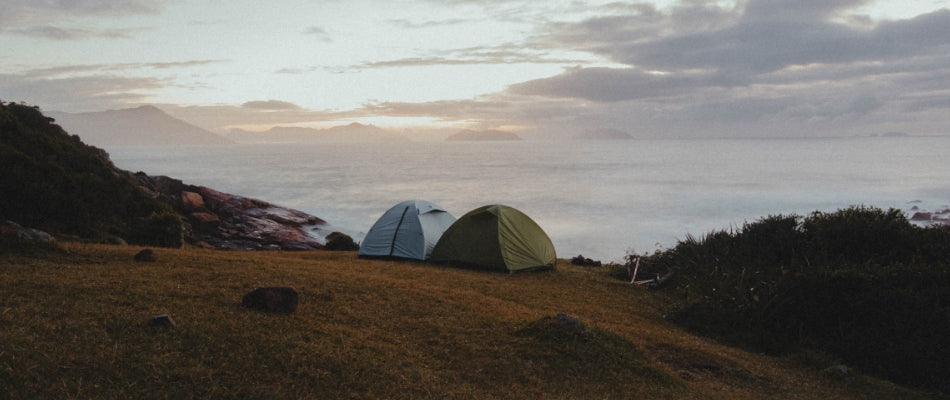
10	228
585	262
228	221
191	201
839	372
116	241
282	299
163	320
921	216
146	255
204	221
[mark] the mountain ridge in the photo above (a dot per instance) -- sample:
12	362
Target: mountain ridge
145	125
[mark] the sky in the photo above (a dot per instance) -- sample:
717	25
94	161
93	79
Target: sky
653	69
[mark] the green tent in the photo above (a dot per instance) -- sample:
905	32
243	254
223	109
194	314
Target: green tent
496	237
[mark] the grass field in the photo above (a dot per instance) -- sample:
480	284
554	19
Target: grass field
74	324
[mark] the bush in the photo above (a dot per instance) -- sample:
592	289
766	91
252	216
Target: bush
340	242
158	229
860	283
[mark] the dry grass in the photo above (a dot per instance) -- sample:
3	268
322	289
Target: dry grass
73	324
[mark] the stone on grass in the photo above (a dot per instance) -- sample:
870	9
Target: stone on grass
146	255
163	320
281	299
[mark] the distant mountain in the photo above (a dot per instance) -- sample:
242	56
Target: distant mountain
145	125
487	135
603	134
354	132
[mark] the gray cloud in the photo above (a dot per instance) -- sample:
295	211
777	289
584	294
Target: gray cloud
92	87
780	64
83	93
414	24
318	32
509	53
19	13
57	33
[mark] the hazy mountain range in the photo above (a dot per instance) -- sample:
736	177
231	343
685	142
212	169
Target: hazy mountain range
145	125
148	125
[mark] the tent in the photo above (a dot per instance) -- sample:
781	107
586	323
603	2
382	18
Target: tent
496	237
407	230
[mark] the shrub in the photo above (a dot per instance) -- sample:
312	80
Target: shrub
860	283
158	229
340	242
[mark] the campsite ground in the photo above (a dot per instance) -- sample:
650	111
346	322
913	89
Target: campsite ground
73	324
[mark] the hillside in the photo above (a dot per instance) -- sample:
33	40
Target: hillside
145	125
50	180
74	323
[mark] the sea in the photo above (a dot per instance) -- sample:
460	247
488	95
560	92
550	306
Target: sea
603	199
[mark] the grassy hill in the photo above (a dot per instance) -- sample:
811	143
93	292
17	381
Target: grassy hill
50	180
73	324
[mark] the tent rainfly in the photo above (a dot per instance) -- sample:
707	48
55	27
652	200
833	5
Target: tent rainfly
496	237
407	230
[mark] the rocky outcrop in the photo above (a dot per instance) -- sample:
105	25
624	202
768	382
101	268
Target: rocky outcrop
146	255
226	221
13	230
280	299
930	218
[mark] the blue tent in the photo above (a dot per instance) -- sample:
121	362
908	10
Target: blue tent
407	230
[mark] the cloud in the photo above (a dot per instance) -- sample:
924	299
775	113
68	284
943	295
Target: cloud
510	53
617	84
763	63
19	13
91	87
57	33
320	33
81	93
412	24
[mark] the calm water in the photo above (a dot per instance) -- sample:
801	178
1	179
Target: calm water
601	199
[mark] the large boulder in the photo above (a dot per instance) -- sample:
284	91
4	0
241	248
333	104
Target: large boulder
281	299
191	201
14	230
226	221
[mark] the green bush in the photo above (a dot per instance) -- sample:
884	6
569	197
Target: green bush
861	283
340	242
159	229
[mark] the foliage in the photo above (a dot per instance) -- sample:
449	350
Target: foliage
53	182
340	242
159	229
861	283
74	324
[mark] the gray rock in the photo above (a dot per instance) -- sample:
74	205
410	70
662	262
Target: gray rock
163	320
281	299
